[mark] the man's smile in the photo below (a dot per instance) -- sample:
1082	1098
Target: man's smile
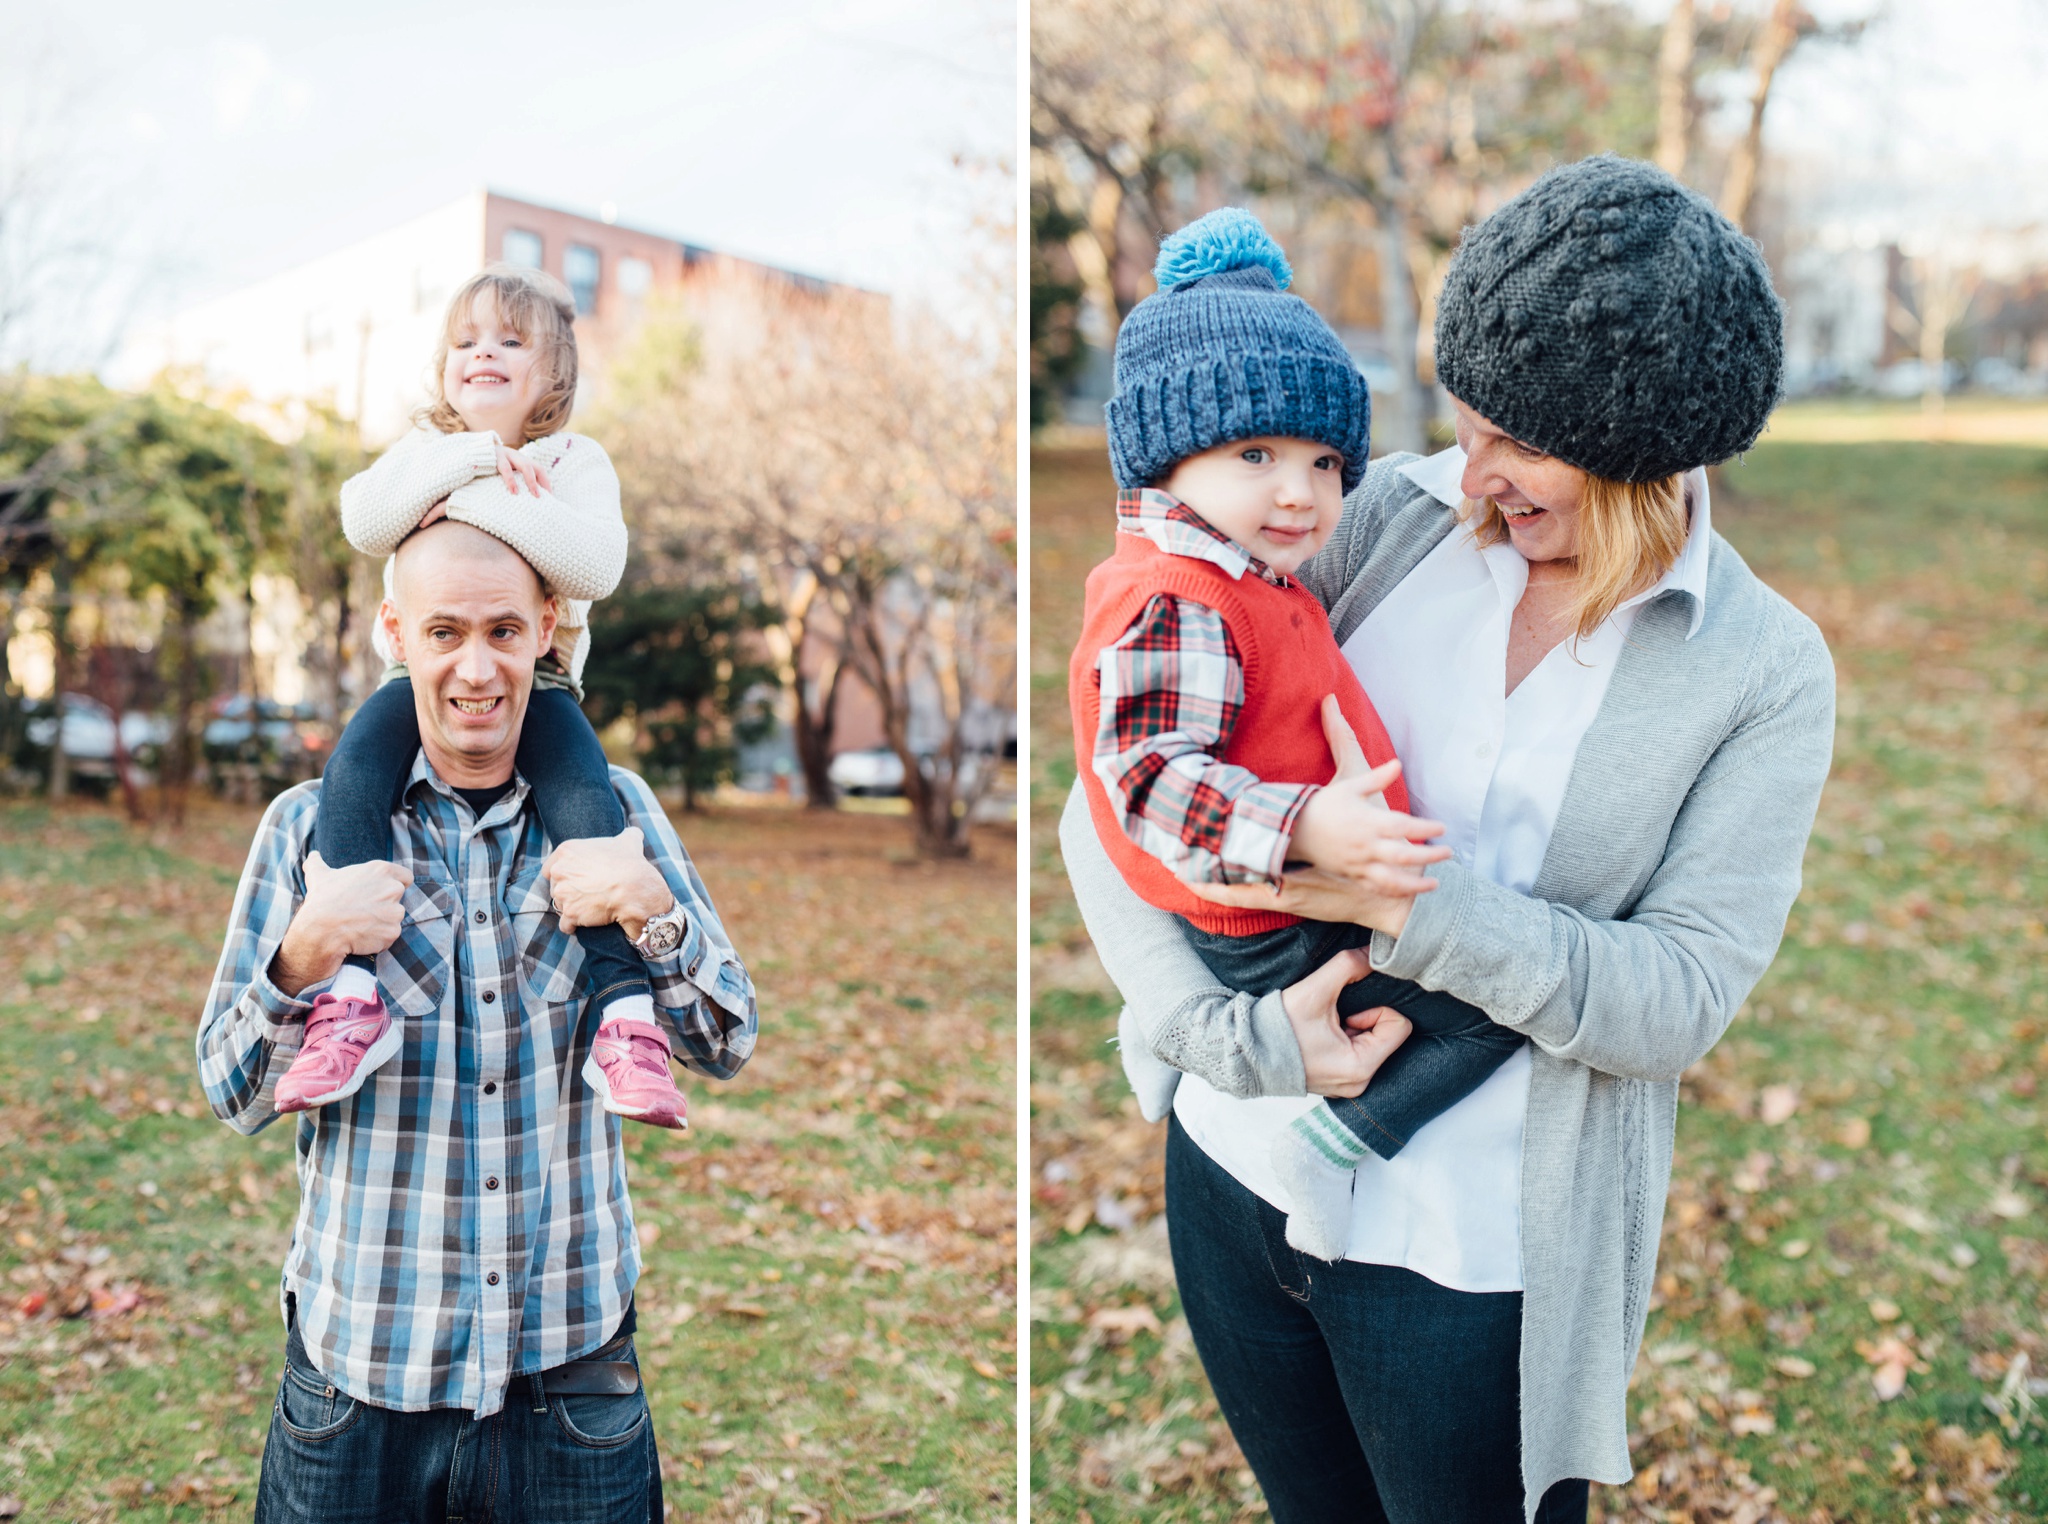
476	705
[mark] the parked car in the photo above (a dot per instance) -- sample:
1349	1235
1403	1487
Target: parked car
262	742
88	734
875	771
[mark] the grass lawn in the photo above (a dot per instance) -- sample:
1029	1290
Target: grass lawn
828	1315
1855	1252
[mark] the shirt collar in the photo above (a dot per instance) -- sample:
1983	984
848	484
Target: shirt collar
423	773
1439	475
1178	530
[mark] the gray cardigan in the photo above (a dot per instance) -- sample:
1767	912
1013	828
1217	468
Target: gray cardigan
1661	901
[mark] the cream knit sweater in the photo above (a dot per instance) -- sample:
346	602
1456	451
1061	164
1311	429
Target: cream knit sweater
573	534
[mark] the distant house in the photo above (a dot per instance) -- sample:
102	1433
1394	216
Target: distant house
354	328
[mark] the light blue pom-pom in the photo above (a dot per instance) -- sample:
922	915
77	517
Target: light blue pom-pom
1229	238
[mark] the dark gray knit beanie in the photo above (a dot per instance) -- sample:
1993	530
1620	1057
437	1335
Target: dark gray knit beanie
1612	318
1221	352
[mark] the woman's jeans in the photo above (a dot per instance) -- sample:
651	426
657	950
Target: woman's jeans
1360	1394
544	1458
559	756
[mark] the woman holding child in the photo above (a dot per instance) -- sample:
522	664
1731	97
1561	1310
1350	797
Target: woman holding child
1615	735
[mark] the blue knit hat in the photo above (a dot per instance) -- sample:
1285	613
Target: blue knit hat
1220	352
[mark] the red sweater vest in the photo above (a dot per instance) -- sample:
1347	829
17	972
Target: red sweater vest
1291	661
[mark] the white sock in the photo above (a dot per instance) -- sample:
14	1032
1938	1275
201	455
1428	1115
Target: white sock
635	1007
353	983
1317	1160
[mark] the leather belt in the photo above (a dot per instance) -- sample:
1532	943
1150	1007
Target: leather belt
591	1378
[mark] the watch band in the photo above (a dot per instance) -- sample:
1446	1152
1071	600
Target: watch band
675	916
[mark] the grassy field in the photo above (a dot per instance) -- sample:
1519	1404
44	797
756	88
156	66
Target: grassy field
829	1311
1854	1270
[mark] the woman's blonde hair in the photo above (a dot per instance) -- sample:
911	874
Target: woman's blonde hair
540	310
1630	534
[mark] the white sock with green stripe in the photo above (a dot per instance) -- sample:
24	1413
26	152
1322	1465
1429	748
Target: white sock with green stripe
1317	1160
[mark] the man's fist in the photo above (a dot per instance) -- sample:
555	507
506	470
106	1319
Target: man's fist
599	880
358	910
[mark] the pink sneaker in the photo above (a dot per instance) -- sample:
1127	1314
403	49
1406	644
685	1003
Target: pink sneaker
628	1068
346	1042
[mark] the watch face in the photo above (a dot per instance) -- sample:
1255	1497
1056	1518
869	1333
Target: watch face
662	937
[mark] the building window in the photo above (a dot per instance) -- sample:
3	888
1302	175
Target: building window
580	268
522	248
634	277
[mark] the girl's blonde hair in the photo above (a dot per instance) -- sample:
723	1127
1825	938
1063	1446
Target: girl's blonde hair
540	310
1630	534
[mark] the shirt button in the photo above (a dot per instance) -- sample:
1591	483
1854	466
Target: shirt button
481	918
490	1087
490	997
491	1184
491	1279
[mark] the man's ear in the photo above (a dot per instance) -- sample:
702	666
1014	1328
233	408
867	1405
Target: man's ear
394	628
550	615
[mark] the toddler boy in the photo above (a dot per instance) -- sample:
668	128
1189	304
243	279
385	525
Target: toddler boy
1238	424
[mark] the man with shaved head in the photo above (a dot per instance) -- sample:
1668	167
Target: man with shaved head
457	1297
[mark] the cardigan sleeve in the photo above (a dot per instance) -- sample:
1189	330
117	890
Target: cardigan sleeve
573	534
384	503
1177	1012
1644	996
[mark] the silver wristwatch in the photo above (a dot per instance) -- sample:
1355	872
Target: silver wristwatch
663	933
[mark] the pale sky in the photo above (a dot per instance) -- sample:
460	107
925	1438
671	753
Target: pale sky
228	141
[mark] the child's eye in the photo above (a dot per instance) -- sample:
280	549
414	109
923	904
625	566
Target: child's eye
1257	455
1329	462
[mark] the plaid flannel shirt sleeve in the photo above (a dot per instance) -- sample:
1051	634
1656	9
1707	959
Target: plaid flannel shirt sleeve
1172	690
251	1030
702	992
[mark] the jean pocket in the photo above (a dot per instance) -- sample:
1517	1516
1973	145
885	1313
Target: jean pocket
600	1423
310	1407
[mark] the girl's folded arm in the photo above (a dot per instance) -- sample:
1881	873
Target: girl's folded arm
573	532
385	502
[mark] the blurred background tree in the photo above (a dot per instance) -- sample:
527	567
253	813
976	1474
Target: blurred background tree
684	667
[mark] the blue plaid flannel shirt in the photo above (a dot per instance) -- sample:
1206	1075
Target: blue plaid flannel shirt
463	1218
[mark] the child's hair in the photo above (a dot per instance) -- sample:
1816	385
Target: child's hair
539	308
1630	534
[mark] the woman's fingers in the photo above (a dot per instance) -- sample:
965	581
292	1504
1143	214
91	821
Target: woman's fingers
1243	896
1344	747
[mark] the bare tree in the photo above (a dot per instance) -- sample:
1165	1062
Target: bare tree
867	473
1775	40
1674	88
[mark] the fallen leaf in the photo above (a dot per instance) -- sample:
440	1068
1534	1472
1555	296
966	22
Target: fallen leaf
1963	1256
1777	1103
744	1310
650	1234
1798	1248
983	1368
1854	1133
2008	1203
1752	1423
11	1507
1793	1366
1888	1380
1884	1309
1119	1323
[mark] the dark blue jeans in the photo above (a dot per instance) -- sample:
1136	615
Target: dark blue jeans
542	1459
1360	1394
558	756
1452	1050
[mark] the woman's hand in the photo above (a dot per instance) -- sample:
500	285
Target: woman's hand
514	468
1339	1057
435	514
1315	895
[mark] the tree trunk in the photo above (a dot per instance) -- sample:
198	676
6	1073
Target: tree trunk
813	736
61	677
1773	43
1402	420
178	760
1674	90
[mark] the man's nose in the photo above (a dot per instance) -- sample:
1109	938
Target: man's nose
475	664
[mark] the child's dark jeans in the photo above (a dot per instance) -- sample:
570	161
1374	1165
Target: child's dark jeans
558	756
1452	1050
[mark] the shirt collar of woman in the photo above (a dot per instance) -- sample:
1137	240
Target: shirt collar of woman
1438	475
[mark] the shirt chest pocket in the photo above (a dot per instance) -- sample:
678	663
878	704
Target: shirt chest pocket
550	960
413	971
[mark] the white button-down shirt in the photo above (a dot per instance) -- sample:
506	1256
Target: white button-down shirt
1492	766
